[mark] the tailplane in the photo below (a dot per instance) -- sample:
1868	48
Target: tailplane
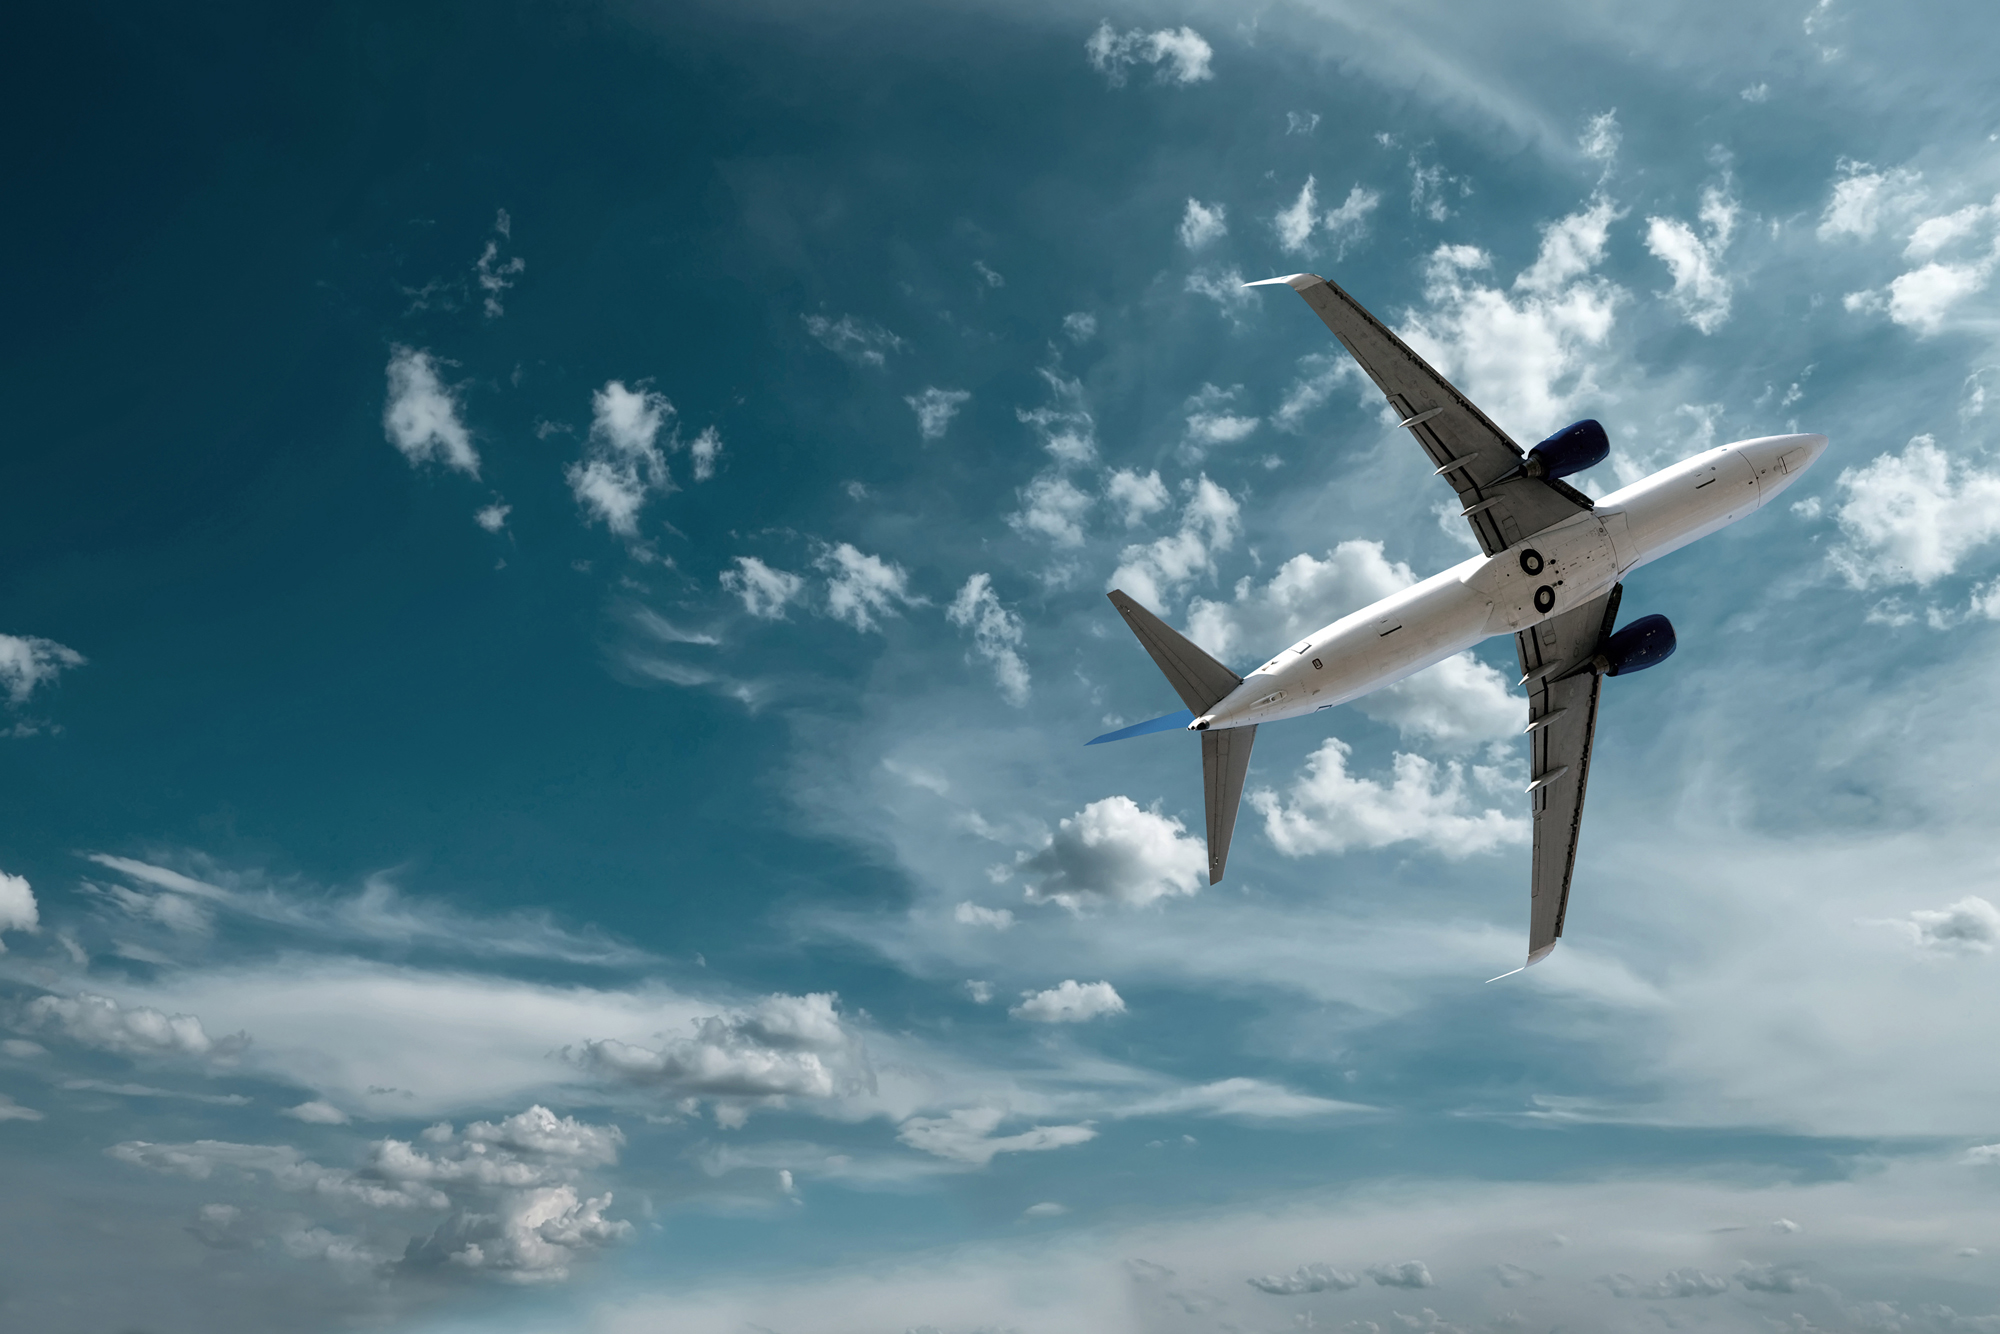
1202	683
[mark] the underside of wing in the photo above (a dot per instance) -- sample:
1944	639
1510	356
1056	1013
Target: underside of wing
1225	763
1502	504
1562	720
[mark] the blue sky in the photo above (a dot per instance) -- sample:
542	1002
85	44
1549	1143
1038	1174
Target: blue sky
551	590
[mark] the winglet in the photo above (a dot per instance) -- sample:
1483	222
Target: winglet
1295	281
1533	959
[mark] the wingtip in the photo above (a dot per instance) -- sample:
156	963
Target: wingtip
1534	958
1289	280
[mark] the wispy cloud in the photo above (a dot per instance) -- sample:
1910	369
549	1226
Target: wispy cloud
421	417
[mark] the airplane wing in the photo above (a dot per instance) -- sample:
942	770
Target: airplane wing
1562	717
1467	449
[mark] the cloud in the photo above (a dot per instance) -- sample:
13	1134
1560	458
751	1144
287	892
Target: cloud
991	278
971	914
1970	926
1064	425
1137	496
494	517
1294	224
378	913
18	911
1209	424
935	408
1408	1274
1678	1283
1080	326
1912	518
27	662
1424	803
316	1113
1320	373
1246	1099
861	587
1152	571
1601	137
1297	222
1349	222
509	1186
98	1021
1301	122
703	452
1524	355
623	461
496	275
996	635
1701	289
765	591
859	341
1069	1002
1773	1278
1863	198
1181	55
784	1046
1203	223
14	1111
966	1136
148	1091
1115	852
1052	507
1222	286
1304	1279
421	416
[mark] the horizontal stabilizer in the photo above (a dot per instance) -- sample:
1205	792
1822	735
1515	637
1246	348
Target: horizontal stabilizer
1198	679
1225	762
1169	723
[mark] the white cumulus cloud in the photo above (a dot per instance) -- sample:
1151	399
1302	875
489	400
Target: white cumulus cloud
1863	198
1701	289
861	587
18	911
765	590
1069	1002
1138	497
1408	1274
785	1046
317	1112
996	919
997	635
1304	1279
1116	852
1152	571
101	1022
1054	508
1210	421
1295	222
1203	223
1970	926
421	416
935	408
624	461
1180	55
1913	517
27	662
1423	802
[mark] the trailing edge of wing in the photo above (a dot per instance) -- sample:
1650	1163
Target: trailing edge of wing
1164	724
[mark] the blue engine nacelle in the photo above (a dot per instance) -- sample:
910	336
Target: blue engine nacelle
1572	449
1646	642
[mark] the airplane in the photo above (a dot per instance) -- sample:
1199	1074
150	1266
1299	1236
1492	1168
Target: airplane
1550	573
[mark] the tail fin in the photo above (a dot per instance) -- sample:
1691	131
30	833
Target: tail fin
1198	679
1225	762
1201	682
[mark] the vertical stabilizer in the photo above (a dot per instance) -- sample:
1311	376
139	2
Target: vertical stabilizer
1198	679
1201	682
1225	762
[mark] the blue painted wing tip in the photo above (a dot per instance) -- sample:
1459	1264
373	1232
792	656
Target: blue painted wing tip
1166	724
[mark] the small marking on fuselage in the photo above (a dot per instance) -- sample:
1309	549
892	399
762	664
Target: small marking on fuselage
1390	631
1709	482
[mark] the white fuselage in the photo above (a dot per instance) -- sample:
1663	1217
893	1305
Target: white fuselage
1575	561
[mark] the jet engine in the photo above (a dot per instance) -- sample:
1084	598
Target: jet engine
1644	643
1575	447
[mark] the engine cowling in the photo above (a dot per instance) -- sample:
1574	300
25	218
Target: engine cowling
1646	642
1575	447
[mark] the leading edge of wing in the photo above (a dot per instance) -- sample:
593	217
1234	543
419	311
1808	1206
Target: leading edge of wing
1164	724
